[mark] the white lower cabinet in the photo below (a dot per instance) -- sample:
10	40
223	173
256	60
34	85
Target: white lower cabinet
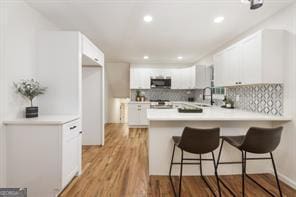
43	156
137	114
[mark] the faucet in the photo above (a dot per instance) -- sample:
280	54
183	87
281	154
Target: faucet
204	96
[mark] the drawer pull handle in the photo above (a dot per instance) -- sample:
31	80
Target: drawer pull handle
96	59
71	128
80	132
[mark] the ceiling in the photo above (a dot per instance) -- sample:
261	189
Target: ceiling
179	27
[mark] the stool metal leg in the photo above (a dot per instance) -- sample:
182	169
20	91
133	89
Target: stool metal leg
218	162
170	173
203	178
276	176
181	171
243	174
216	174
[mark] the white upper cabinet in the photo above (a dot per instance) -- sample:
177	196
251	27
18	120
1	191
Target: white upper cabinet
257	59
140	78
203	77
182	78
91	54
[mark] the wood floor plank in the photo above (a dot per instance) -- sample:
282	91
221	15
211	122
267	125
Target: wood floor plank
120	169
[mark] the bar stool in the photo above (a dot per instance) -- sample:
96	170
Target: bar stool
196	141
258	141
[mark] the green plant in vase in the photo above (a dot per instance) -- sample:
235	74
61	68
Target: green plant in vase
30	89
138	95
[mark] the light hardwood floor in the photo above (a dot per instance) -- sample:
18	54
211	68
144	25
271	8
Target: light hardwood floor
120	169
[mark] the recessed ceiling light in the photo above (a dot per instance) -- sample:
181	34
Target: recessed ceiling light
180	58
146	57
219	19
245	1
148	18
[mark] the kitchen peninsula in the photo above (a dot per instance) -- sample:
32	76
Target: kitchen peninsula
165	123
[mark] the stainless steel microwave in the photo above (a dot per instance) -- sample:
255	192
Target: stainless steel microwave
161	83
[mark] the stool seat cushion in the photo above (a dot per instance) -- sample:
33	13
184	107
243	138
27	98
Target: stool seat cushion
176	139
236	141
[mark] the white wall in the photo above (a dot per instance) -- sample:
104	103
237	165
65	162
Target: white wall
114	110
91	102
118	79
286	153
19	26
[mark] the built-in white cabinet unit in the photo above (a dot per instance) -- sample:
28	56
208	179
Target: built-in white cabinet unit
140	78
137	114
43	154
62	57
257	59
182	78
91	52
203	75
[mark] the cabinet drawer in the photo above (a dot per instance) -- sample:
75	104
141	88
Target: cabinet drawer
71	129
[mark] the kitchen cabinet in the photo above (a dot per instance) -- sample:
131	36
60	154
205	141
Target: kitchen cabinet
91	52
256	59
140	78
47	148
67	65
183	78
137	114
203	75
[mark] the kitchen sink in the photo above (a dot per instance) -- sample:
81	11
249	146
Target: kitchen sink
203	105
190	110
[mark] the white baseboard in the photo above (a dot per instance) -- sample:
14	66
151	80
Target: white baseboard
138	126
285	179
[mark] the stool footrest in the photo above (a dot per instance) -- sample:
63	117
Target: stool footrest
178	163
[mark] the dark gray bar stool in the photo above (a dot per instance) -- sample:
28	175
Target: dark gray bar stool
196	141
258	141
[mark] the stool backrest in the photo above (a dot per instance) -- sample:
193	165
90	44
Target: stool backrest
199	141
262	140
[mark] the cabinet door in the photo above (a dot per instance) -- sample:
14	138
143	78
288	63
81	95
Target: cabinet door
143	114
219	69
207	77
140	78
133	114
192	77
232	65
176	78
71	150
144	78
186	78
251	59
133	79
91	51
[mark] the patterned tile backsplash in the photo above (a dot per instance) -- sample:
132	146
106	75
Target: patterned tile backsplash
165	94
267	98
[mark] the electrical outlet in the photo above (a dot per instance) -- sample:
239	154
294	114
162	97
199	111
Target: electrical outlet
237	98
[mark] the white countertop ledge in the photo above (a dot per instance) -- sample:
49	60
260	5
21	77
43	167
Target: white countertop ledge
211	114
42	120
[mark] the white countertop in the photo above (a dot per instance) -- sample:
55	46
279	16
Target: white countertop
49	120
211	114
139	102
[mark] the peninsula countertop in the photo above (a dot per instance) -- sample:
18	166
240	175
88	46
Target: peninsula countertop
211	114
42	119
